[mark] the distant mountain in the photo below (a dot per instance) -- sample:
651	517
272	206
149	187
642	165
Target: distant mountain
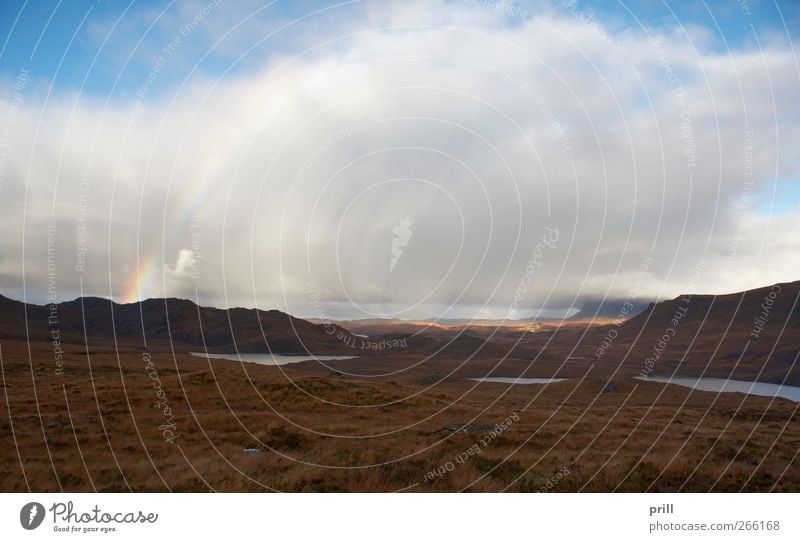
740	312
610	309
179	322
740	331
747	335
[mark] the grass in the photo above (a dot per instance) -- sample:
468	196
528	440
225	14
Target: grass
99	428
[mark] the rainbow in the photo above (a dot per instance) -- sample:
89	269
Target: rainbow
138	285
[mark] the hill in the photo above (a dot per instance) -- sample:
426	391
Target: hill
753	334
169	322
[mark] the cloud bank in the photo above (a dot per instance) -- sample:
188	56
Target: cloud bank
408	163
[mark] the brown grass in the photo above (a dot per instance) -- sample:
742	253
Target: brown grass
99	424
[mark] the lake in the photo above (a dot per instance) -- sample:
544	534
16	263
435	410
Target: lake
512	380
269	359
724	385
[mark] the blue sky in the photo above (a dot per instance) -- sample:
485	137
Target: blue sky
75	44
779	198
85	44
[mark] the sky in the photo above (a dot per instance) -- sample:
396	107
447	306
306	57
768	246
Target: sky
405	159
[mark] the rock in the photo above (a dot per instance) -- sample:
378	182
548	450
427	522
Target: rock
608	387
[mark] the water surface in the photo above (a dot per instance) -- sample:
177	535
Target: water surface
269	359
513	380
725	385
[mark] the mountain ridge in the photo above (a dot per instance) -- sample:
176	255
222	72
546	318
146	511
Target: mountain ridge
175	321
